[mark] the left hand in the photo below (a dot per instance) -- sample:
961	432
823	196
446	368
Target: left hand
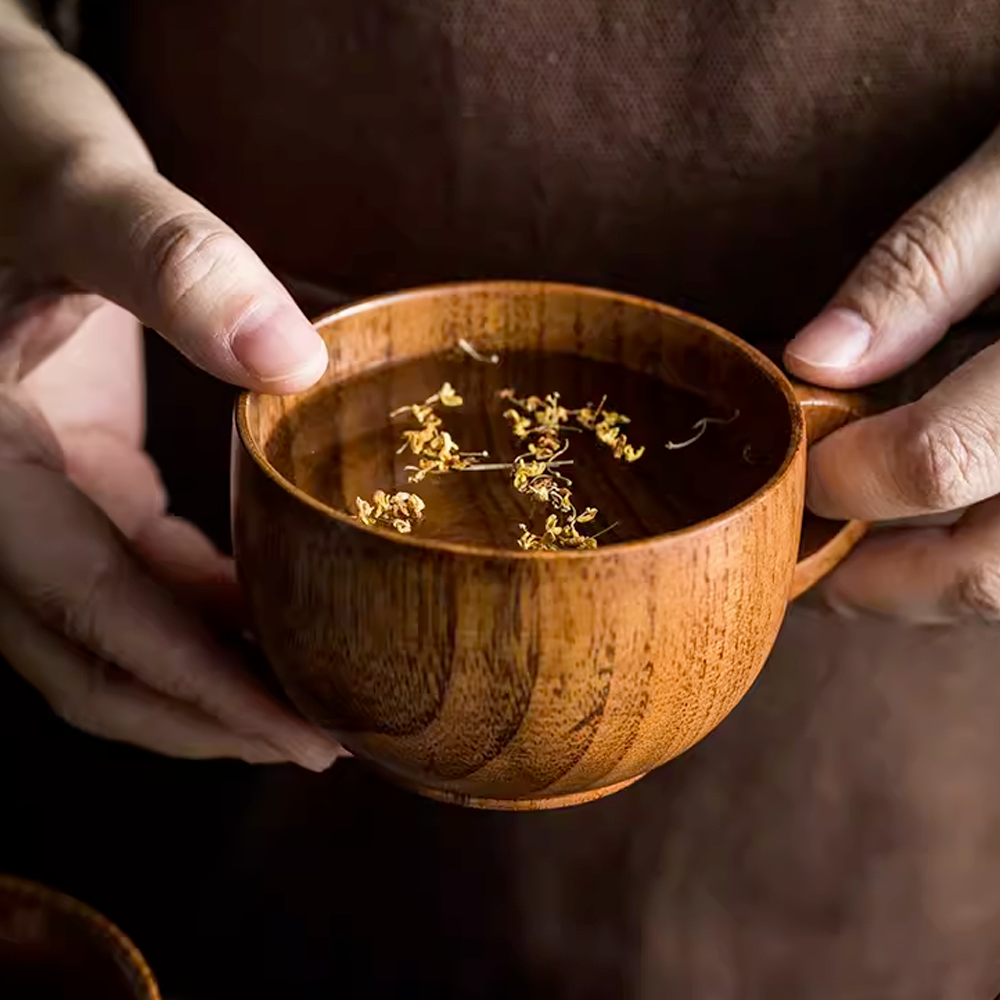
940	454
79	494
114	610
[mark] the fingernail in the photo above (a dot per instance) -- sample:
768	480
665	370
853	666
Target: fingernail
279	345
317	762
314	752
837	338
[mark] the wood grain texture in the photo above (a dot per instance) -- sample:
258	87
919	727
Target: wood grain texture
504	679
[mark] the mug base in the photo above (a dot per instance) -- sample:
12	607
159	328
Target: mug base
515	805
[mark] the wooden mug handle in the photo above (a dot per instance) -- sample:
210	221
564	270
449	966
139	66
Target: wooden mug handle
825	543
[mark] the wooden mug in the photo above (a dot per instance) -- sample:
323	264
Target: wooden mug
504	679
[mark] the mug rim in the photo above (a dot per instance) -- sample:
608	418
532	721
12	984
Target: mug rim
119	943
753	355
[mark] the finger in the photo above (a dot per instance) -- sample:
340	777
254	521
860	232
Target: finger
120	478
939	454
136	239
109	703
191	567
95	378
931	269
82	202
926	576
125	483
36	317
73	569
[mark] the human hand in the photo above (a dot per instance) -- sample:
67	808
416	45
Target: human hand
939	455
106	602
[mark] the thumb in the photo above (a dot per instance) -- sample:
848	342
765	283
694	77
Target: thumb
931	269
139	241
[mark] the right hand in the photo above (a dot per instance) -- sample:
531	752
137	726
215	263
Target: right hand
106	602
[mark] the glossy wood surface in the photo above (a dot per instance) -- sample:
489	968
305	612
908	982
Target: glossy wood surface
492	677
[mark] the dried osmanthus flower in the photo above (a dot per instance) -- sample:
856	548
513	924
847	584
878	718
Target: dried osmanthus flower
541	422
559	535
541	419
435	449
398	511
606	425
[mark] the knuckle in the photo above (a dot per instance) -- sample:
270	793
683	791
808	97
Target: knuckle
976	593
917	259
183	251
943	464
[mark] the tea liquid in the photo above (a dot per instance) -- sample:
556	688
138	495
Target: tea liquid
341	444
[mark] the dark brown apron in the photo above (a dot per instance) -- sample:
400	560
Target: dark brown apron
839	836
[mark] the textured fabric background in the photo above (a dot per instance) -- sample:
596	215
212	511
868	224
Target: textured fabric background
732	155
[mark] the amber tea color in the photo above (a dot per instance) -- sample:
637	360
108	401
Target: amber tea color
361	448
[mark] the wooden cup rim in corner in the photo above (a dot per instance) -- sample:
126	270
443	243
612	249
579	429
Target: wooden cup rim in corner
102	930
